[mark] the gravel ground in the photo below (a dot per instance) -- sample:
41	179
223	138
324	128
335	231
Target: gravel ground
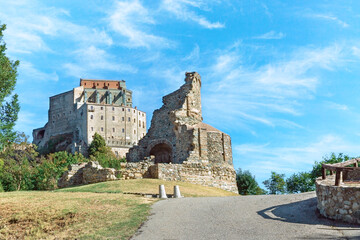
245	217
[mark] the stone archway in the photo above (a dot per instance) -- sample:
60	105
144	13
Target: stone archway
162	153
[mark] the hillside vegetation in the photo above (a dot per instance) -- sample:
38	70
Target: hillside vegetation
96	211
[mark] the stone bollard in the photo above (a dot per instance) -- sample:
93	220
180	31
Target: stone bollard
162	193
177	192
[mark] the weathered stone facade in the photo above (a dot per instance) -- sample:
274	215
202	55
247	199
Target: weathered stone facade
338	202
184	147
102	106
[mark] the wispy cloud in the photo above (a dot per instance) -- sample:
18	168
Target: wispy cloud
271	35
30	22
128	19
182	10
260	159
255	94
336	106
329	17
88	61
28	71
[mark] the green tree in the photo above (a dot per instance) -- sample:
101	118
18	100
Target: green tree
247	184
9	105
276	183
316	171
299	182
97	145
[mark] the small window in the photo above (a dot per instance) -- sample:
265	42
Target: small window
92	107
123	130
102	117
129	120
102	129
92	129
123	109
139	123
102	108
113	129
134	120
134	111
139	113
128	109
91	117
143	124
134	131
142	114
113	109
123	119
113	118
97	84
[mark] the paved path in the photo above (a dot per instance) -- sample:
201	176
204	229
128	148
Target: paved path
244	217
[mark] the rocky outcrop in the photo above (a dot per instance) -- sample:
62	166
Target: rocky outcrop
86	173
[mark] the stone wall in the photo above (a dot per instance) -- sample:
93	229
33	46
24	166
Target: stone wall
338	202
197	173
86	173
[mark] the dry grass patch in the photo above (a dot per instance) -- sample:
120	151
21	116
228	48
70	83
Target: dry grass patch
151	186
54	215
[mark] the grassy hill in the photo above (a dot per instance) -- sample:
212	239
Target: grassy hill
100	211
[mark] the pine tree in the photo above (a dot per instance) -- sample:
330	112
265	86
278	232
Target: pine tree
9	104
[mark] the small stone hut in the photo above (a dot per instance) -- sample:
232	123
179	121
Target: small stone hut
184	147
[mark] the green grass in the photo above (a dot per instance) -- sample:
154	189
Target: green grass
95	211
150	186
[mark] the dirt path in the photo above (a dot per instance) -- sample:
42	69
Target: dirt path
244	217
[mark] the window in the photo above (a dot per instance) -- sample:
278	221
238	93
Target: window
134	120
113	129
102	117
92	107
143	124
113	109
134	131
123	109
97	84
142	114
92	129
113	118
139	113
128	109
91	117
134	111
123	119
102	129
129	120
139	123
102	108
123	130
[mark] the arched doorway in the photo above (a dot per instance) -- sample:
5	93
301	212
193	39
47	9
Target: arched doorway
162	153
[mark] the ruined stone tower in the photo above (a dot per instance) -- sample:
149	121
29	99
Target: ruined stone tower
197	152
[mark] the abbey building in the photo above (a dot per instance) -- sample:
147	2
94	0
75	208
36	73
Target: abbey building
96	106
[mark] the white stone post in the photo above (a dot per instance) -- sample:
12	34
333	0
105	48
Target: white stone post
162	193
177	193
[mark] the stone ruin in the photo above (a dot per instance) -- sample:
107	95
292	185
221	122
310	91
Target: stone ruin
338	195
177	147
185	148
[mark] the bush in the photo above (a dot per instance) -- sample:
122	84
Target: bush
276	183
299	182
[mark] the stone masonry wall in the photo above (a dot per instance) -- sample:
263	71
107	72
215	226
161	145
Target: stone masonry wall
338	202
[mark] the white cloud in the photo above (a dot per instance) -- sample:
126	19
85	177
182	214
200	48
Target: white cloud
337	106
29	23
27	72
128	18
330	17
260	159
181	9
89	61
271	35
255	94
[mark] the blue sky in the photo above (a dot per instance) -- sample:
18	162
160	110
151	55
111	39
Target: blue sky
281	77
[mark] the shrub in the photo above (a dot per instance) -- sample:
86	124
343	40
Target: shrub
247	184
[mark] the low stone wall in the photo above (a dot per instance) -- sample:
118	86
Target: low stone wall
338	202
86	173
136	170
208	175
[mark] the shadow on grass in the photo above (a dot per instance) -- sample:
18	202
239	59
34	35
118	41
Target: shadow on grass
306	212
